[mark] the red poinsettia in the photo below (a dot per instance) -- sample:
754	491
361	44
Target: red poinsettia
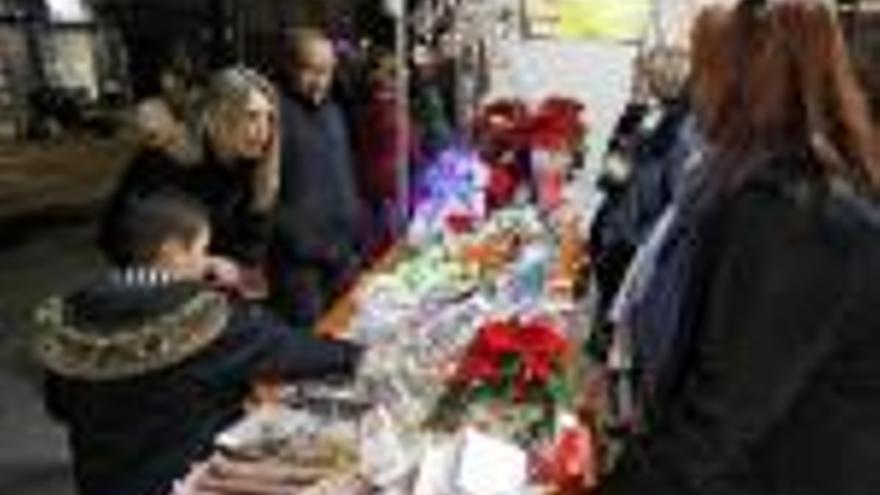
497	339
541	347
557	124
502	123
503	182
482	361
525	355
460	223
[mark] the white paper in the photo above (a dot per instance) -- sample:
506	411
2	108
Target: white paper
489	466
437	469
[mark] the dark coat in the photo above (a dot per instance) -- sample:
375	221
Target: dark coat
139	415
226	191
632	207
771	388
223	190
320	211
657	157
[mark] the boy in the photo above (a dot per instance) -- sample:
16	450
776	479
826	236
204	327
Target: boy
148	364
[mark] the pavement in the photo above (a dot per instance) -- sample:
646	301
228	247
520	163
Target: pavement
50	194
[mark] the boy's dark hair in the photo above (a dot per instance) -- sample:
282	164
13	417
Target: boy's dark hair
150	221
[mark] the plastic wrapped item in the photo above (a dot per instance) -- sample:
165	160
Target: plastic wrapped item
435	471
384	457
312	442
452	188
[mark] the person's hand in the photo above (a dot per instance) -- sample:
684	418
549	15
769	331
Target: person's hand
192	484
222	476
253	284
242	281
223	272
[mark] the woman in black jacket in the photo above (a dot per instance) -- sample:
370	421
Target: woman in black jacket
759	331
236	178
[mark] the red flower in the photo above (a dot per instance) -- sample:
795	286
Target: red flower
499	126
502	186
497	338
540	337
502	122
557	124
459	223
542	347
477	368
482	361
537	346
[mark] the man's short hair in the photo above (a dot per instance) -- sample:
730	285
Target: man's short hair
296	39
151	221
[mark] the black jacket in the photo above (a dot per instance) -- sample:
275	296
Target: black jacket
772	387
320	211
224	190
145	374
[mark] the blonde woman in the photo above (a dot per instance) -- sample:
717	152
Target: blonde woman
238	177
235	177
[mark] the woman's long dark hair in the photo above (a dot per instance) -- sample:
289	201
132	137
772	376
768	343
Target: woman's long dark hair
776	74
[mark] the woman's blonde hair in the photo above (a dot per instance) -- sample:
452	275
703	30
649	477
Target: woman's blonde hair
226	97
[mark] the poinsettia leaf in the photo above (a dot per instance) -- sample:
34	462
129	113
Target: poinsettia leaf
510	364
545	427
536	394
485	393
509	371
559	390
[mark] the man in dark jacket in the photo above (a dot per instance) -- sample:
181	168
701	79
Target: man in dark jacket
147	365
320	211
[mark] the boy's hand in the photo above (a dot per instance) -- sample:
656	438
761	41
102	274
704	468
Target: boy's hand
223	272
242	281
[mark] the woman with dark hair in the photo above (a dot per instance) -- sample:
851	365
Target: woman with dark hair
758	331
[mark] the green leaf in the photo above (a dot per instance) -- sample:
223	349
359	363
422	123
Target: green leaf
485	393
559	390
510	365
